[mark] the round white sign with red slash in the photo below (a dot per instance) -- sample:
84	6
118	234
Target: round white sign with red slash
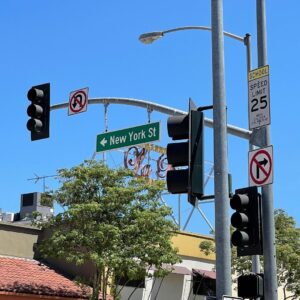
261	166
78	101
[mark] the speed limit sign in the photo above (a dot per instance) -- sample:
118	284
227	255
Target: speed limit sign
259	97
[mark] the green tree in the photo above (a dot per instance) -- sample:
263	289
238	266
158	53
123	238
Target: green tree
287	255
112	219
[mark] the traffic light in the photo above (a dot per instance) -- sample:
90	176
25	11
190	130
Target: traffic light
248	222
251	285
39	111
188	154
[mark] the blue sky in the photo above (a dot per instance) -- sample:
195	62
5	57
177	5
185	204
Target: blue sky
76	44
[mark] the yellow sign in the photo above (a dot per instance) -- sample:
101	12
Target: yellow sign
258	73
155	148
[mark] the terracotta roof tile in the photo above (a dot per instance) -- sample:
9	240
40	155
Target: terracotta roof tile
23	275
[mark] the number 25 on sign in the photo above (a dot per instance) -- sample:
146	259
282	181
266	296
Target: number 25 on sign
259	97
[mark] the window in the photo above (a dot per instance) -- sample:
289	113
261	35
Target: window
203	285
27	199
137	283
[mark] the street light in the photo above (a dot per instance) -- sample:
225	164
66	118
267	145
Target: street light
220	143
150	37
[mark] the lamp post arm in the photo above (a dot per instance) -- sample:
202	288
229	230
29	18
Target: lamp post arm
231	129
187	28
128	101
231	35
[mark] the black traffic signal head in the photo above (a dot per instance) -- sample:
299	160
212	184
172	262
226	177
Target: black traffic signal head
187	154
39	111
178	154
247	221
251	286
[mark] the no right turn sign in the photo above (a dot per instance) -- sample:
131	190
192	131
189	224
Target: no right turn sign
261	166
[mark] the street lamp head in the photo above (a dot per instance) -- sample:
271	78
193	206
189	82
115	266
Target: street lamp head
150	37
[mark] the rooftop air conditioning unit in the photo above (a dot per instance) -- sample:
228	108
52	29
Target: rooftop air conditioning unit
30	203
8	217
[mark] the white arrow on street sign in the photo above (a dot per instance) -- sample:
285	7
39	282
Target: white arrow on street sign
103	142
137	135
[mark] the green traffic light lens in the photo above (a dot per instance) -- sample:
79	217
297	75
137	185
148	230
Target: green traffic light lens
177	181
34	125
240	238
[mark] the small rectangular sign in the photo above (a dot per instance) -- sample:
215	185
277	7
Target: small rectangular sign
231	298
259	97
128	137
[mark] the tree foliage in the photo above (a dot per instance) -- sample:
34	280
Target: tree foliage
112	219
287	255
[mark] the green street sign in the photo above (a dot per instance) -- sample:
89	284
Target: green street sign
128	137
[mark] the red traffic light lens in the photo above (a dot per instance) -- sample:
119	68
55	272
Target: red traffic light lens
35	94
239	201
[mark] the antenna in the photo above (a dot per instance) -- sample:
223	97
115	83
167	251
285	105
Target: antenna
37	178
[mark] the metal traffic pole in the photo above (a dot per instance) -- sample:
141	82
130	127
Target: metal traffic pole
222	225
247	42
270	272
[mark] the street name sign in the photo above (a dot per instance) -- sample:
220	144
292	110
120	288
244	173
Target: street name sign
128	137
231	298
259	97
261	166
78	101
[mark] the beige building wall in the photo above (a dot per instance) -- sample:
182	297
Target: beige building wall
17	240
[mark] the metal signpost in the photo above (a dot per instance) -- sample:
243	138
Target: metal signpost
270	269
128	137
222	223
